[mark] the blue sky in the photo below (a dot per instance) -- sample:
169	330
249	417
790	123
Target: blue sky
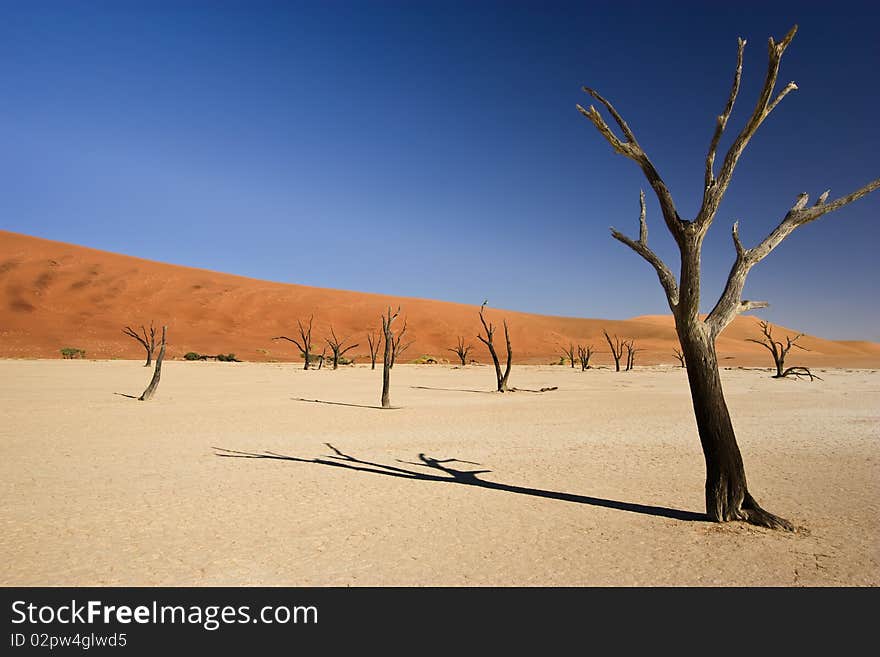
434	150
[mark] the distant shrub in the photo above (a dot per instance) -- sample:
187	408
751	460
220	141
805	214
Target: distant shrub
345	361
226	358
73	352
426	359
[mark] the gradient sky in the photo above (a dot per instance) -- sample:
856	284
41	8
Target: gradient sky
434	150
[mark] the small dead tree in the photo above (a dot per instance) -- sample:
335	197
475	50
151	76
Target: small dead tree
584	354
568	354
322	357
679	355
631	352
398	346
489	328
387	320
336	346
461	351
617	346
147	341
374	340
727	494
304	342
157	373
779	352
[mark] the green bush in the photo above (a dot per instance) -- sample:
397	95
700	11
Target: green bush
228	358
73	352
427	359
191	355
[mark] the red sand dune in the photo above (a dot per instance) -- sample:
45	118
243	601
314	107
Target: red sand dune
55	295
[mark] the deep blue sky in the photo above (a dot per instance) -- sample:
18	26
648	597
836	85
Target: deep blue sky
434	149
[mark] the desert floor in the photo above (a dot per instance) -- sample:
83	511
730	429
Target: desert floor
597	483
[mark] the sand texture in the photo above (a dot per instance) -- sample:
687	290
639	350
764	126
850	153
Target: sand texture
55	295
225	478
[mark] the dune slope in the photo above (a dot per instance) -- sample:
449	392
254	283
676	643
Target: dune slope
54	295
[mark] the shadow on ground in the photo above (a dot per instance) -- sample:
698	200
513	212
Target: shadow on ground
465	477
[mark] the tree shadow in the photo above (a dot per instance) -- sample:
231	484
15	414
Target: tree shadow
333	403
122	394
465	477
486	392
482	392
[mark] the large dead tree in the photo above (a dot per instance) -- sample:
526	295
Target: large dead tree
157	373
584	354
568	354
727	495
336	347
489	328
461	351
374	340
780	351
679	355
617	346
388	334
304	342
146	340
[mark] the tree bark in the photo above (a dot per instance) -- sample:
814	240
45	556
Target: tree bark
387	359
727	494
157	373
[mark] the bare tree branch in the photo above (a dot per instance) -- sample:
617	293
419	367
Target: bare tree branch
721	123
730	303
667	278
715	190
633	151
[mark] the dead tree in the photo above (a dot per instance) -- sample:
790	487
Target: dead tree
584	354
398	346
322	357
157	373
489	328
679	355
337	348
374	340
568	354
631	352
727	494
147	341
616	349
304	342
387	320
461	351
779	352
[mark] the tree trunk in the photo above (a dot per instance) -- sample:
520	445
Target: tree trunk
386	371
780	365
157	373
727	495
149	357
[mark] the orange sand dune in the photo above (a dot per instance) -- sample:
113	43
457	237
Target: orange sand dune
55	295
